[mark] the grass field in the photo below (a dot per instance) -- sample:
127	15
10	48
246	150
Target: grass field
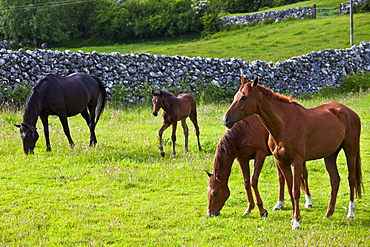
278	41
122	193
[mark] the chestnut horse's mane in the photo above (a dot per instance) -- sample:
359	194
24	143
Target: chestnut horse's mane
271	95
233	139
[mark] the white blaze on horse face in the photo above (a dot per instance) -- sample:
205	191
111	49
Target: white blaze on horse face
23	135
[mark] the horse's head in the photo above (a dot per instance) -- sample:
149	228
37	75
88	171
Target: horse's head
244	103
29	137
157	102
218	193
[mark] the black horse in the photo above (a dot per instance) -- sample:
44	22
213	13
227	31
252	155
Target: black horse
64	97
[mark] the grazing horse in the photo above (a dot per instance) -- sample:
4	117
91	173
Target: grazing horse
246	140
64	97
175	109
298	134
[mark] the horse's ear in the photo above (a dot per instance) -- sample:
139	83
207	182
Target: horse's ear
218	176
17	125
242	79
209	174
255	81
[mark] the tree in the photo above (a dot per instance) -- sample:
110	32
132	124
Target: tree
32	21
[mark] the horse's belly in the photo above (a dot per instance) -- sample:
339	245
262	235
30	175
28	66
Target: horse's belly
323	149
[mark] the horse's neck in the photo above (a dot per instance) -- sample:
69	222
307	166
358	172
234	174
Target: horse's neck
167	104
222	163
33	108
274	114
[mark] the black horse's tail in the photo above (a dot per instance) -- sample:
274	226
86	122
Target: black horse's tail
102	98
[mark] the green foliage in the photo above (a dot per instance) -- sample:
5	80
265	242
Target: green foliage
355	83
359	82
362	8
211	24
16	95
267	21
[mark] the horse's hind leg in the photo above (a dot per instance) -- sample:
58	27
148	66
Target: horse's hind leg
354	176
304	186
92	125
193	118
186	135
331	167
64	121
89	122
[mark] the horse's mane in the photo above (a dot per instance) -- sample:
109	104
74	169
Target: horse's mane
33	104
234	138
166	94
270	94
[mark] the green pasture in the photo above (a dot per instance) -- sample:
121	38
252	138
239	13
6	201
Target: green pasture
274	42
123	193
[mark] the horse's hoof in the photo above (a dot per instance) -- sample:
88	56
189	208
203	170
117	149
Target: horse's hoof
163	154
295	225
246	212
308	205
48	150
278	206
265	214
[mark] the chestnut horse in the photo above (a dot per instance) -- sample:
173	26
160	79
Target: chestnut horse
298	134
175	109
246	140
64	97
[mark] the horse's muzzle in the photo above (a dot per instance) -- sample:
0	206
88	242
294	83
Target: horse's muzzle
213	213
228	123
155	113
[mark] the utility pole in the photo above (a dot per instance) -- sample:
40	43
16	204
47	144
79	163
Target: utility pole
351	21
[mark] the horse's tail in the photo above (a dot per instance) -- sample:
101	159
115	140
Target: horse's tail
102	98
358	173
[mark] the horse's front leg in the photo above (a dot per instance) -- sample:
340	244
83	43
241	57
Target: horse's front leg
186	135
244	165
173	137
160	134
45	123
64	120
258	164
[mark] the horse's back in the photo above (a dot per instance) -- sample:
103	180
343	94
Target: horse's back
187	105
332	124
70	94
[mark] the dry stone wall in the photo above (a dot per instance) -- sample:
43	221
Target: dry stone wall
138	74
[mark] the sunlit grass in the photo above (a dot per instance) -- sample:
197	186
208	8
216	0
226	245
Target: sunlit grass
278	41
123	193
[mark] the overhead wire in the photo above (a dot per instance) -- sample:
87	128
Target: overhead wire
45	4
